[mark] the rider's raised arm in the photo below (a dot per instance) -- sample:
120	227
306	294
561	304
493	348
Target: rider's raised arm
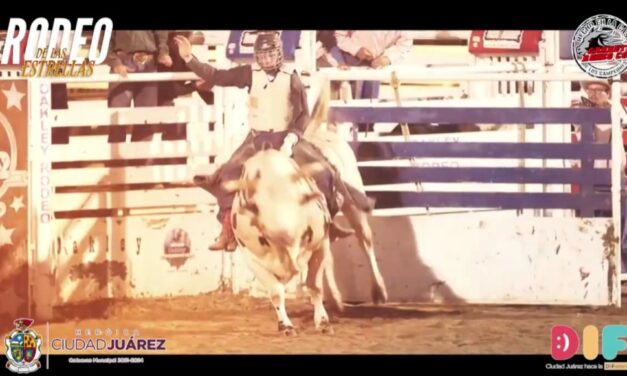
240	76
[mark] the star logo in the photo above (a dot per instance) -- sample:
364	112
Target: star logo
18	203
5	235
14	97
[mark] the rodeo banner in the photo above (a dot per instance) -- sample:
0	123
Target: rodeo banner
14	200
171	191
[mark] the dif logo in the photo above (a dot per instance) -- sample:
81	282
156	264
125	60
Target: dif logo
565	341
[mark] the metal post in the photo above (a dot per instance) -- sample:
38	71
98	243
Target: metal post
41	193
618	155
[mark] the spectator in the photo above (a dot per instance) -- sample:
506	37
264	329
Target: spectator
325	43
135	51
598	94
168	91
375	49
369	48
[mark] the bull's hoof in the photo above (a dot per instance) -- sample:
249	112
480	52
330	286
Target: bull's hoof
326	328
338	304
287	330
379	294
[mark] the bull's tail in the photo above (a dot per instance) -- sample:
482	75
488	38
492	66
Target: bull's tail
320	111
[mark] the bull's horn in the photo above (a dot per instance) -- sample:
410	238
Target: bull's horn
308	170
239	185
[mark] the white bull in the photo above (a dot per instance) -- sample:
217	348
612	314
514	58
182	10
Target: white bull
281	223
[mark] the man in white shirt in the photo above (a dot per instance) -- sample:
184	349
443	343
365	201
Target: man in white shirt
373	49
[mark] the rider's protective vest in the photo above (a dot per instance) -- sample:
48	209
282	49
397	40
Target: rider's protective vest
269	101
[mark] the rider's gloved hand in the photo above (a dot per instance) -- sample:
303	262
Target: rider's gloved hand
288	143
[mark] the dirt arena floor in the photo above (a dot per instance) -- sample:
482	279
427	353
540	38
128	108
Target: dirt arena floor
221	323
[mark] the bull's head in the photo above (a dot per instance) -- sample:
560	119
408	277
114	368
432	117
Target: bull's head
277	201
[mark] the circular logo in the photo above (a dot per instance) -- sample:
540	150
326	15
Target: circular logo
600	46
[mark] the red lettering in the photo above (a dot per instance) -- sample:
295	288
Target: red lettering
604	56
